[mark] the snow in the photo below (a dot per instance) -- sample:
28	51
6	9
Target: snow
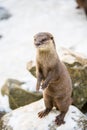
61	18
26	118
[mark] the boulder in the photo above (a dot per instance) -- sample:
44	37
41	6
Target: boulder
4	13
26	118
31	67
18	96
77	66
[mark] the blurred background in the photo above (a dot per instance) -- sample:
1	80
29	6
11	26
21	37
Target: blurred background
20	20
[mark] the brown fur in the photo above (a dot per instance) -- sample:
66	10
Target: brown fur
82	4
53	76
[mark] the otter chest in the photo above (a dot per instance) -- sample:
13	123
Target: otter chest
45	64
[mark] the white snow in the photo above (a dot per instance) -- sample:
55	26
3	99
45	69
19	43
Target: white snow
59	17
26	118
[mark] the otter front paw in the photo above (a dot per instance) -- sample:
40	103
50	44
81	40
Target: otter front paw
43	86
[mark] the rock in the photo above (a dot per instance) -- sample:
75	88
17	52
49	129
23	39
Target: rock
31	68
18	96
2	113
77	67
10	84
26	118
4	13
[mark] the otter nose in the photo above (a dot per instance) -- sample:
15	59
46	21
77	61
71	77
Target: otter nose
37	43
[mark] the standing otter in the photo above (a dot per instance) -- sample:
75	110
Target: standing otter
52	76
82	4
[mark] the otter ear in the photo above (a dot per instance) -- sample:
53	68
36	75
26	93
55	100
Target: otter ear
51	38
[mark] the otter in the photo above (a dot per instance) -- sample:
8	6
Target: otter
52	77
82	4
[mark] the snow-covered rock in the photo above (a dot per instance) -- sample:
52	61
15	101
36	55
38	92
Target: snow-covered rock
26	118
59	17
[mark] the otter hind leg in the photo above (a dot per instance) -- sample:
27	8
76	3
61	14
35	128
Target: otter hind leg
63	105
60	118
48	104
44	113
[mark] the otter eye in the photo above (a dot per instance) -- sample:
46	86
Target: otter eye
43	40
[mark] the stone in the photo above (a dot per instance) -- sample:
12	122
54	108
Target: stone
31	68
17	96
4	13
2	113
77	66
26	118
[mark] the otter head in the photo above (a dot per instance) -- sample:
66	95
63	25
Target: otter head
44	41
